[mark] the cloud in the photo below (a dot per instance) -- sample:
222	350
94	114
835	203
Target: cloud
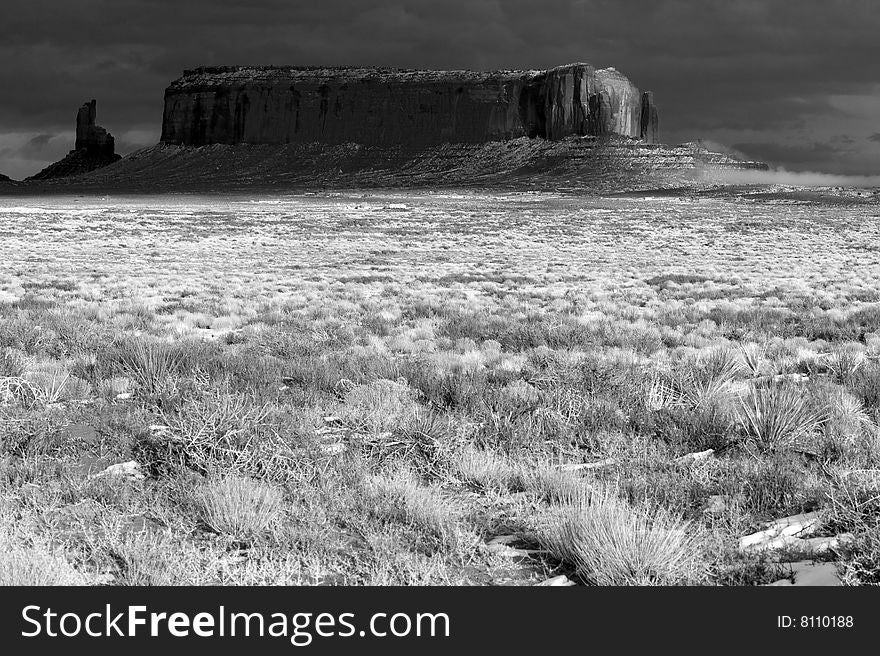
875	137
797	178
807	153
22	154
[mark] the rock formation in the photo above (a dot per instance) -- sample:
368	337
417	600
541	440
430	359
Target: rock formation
94	148
570	127
92	138
405	108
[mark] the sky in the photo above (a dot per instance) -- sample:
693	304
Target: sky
793	82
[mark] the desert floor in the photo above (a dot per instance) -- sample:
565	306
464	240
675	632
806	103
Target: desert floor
438	388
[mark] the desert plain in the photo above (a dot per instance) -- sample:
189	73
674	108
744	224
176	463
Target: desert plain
445	388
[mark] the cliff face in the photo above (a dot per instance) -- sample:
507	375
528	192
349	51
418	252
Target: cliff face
94	148
390	107
650	120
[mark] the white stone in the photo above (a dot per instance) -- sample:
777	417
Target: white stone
131	470
822	545
507	551
801	526
715	505
556	581
608	462
695	457
333	449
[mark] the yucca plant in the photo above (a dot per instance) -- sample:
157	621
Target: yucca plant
697	384
152	366
778	417
753	357
843	365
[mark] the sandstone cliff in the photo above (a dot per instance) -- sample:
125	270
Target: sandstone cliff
94	148
391	107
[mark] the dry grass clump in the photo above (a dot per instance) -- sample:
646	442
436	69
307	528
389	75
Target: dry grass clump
36	566
380	406
159	558
400	497
28	560
219	433
152	366
12	363
855	508
608	541
486	470
238	507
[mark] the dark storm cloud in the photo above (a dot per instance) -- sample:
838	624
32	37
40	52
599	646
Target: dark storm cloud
715	65
875	137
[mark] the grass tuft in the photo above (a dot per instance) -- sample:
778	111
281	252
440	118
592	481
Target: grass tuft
607	541
240	508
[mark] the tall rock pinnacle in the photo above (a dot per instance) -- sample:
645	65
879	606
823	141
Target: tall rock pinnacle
94	148
91	137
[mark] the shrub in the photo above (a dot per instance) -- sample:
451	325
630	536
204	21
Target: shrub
380	406
12	363
775	486
220	433
239	507
152	366
861	562
607	541
23	332
35	565
865	384
401	498
422	439
849	433
697	429
843	365
457	389
250	371
855	508
485	471
156	558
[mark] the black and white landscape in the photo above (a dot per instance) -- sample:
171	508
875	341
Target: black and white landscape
378	294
